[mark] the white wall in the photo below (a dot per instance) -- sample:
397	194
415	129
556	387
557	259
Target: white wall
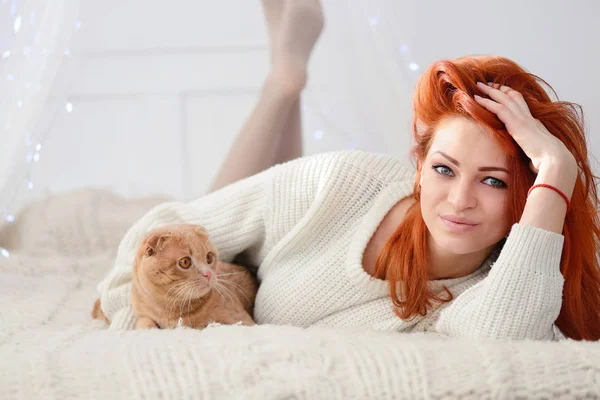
155	83
162	88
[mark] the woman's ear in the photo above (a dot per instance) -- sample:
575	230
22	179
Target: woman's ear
419	169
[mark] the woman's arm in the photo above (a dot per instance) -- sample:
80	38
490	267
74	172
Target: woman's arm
520	298
545	208
252	215
235	218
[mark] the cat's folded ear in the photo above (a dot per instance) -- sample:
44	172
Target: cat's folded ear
200	231
154	243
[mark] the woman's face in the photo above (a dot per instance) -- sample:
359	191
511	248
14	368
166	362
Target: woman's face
464	176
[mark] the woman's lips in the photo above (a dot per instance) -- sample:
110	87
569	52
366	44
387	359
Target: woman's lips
457	227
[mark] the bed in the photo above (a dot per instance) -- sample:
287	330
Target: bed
62	245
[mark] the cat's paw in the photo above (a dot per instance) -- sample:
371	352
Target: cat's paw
214	324
145	323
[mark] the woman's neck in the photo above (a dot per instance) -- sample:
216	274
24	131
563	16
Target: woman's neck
443	264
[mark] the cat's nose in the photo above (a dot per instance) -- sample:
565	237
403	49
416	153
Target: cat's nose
206	274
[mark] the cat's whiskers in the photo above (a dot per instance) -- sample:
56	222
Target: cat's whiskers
191	290
181	292
182	304
173	299
238	287
176	286
188	295
224	289
191	293
231	273
220	294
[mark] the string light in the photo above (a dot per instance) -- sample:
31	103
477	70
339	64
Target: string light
35	38
17	26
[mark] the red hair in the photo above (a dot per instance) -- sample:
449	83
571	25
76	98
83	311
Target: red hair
446	89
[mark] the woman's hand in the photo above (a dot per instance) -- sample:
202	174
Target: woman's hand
529	133
550	159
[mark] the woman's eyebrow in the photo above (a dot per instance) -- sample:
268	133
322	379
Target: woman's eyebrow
457	163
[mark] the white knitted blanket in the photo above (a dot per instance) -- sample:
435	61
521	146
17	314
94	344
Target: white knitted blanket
51	349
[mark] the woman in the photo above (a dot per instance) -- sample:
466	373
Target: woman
469	244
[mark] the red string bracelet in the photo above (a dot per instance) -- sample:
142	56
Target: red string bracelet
564	196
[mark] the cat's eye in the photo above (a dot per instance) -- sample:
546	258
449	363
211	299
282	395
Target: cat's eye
210	257
185	262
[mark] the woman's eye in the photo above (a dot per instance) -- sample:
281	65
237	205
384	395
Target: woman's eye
440	169
444	170
185	262
497	183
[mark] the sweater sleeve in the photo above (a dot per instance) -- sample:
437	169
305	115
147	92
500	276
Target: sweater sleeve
520	298
234	217
248	216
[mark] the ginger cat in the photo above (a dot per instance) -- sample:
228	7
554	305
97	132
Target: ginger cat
178	280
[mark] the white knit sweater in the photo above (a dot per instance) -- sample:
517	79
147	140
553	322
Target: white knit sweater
305	225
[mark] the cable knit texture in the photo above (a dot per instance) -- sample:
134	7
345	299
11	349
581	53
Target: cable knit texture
305	225
62	246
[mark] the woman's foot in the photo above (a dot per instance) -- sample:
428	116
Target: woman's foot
294	28
272	10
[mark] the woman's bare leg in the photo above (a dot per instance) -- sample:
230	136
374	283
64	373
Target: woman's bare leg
272	133
256	145
290	144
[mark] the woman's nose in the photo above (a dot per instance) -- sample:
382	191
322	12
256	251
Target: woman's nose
461	196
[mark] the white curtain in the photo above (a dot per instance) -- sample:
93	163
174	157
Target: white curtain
362	76
35	61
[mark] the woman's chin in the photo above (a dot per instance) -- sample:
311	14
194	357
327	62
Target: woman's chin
453	244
